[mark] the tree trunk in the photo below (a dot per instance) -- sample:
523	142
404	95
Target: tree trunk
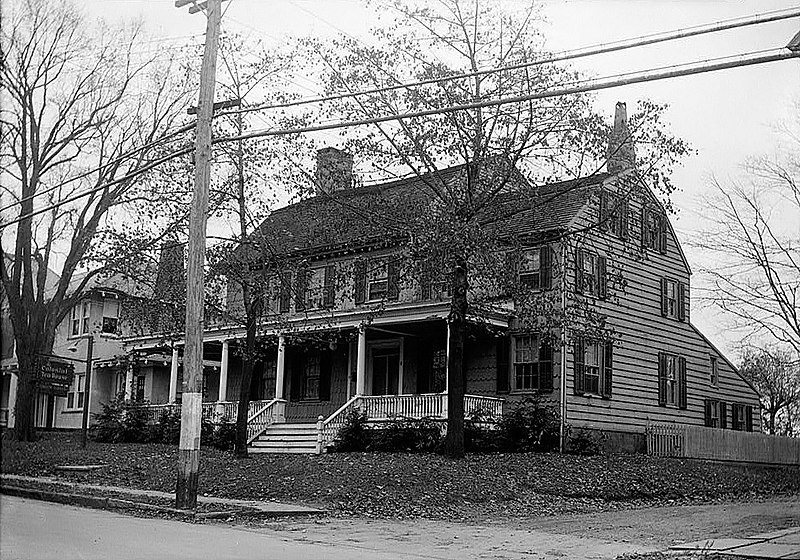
240	446
454	442
772	414
24	408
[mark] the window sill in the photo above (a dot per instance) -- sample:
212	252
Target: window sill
72	411
530	391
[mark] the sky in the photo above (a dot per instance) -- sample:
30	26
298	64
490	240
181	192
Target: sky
726	116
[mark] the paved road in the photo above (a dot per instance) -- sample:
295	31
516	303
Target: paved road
41	531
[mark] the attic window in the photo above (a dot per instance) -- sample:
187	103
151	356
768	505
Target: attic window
110	316
654	230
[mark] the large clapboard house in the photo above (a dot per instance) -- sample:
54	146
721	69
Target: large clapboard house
348	331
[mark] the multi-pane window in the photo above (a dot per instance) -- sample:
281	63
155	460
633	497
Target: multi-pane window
671	380
614	214
714	371
533	364
311	376
712	414
269	379
590	274
110	315
593	363
76	393
139	384
439	370
530	269
654	230
739	417
81	318
673	299
377	279
86	310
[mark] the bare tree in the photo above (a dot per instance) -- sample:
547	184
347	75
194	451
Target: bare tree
80	107
755	240
776	376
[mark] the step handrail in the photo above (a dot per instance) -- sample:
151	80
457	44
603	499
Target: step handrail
259	421
326	429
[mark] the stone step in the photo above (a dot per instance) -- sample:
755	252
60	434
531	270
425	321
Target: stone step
298	450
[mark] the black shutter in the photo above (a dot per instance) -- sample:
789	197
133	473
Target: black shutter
748	418
545	366
578	365
681	382
644	227
300	289
503	355
662	234
329	289
604	211
708	406
393	279
546	267
735	416
664	307
297	371
325	372
285	292
608	369
601	276
579	271
682	301
623	220
723	415
360	281
662	379
511	277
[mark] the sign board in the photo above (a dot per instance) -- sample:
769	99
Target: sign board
54	378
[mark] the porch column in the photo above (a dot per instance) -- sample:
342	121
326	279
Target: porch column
447	362
280	367
173	376
361	363
12	400
223	373
129	382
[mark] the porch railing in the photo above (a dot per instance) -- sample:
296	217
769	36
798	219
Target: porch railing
387	407
211	410
264	416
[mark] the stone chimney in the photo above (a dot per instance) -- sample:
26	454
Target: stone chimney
621	154
171	274
334	171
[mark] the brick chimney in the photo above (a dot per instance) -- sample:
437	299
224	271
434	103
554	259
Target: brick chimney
334	171
171	274
621	154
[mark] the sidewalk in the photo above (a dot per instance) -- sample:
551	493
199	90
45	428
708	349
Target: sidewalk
261	509
783	544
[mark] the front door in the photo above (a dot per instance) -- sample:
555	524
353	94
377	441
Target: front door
385	364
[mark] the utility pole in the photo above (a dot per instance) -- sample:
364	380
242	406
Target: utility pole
192	399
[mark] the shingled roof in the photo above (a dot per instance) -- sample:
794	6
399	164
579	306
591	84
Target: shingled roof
364	216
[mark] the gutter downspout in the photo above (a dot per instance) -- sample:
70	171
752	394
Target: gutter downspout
562	429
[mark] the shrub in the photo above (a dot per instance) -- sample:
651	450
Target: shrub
220	435
169	427
585	442
120	423
406	434
481	434
530	426
354	435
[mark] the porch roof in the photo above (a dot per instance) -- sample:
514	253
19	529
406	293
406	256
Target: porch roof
405	313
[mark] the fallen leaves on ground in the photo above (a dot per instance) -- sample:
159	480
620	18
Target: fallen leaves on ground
408	486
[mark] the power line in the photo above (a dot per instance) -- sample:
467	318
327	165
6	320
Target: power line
601	48
644	76
633	78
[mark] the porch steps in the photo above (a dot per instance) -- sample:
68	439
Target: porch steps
287	438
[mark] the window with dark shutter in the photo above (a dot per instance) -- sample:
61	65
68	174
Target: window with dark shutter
643	232
578	365
662	379
604	211
708	414
579	271
664	304
748	418
681	382
735	417
608	369
723	415
360	281
329	286
682	301
503	353
662	234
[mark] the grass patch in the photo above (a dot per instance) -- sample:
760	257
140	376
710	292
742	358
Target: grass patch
401	485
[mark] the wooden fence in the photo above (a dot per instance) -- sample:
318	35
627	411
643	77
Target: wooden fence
698	442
